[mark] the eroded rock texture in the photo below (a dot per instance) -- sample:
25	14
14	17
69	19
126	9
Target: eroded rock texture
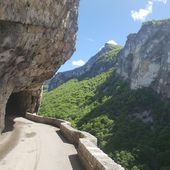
36	37
145	59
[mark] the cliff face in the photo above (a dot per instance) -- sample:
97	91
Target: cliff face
99	63
145	59
37	36
105	105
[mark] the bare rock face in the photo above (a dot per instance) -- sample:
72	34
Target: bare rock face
36	38
145	59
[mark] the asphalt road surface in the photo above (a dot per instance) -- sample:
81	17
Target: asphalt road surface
26	145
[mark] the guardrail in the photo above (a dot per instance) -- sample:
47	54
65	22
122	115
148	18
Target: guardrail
90	155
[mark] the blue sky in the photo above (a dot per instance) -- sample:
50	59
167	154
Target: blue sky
104	20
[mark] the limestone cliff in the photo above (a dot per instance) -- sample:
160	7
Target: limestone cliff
36	37
99	63
145	59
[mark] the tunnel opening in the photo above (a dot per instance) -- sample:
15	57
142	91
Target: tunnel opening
16	104
21	102
15	107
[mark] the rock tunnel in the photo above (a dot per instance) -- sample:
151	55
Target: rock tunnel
18	104
36	39
21	102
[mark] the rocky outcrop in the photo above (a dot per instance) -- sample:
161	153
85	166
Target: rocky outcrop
145	59
99	63
37	36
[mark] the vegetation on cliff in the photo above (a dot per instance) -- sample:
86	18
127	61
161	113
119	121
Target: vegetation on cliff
101	62
132	126
106	107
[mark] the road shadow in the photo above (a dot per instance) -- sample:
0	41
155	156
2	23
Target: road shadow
64	140
9	140
74	159
9	124
75	162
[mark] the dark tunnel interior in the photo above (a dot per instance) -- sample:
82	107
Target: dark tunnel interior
16	105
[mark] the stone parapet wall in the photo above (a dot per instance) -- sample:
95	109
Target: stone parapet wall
45	120
73	135
90	155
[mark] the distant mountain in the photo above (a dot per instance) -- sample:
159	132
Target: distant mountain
117	96
144	61
101	62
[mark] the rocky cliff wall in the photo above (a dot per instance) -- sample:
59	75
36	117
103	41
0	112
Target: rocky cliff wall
145	59
36	37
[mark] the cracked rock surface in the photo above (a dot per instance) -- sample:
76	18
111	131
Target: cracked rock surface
145	59
36	38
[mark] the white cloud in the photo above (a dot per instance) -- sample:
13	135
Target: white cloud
142	13
109	42
163	1
112	42
78	63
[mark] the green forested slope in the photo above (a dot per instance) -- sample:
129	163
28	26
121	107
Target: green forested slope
106	107
105	59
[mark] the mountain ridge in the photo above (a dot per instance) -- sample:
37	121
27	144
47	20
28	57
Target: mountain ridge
132	125
97	64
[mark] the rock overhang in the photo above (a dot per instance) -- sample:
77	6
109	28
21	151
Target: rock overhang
47	13
37	37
